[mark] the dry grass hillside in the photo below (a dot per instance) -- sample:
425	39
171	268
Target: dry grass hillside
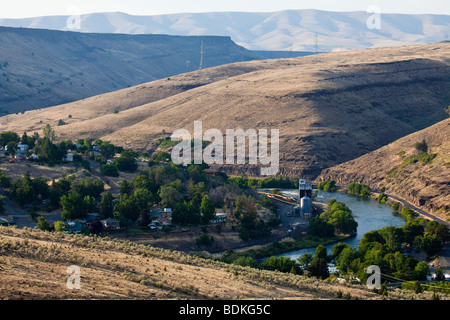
329	108
398	167
41	68
33	265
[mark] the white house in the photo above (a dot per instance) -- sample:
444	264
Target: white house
220	217
22	148
68	157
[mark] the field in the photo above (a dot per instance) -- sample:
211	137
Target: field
33	265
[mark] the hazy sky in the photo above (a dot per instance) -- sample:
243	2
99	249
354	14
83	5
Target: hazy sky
33	8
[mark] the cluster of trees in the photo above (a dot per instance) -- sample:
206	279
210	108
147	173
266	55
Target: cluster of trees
359	190
29	190
380	247
384	248
44	147
81	199
337	219
329	186
76	198
270	182
251	226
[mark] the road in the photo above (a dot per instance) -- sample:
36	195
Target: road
422	212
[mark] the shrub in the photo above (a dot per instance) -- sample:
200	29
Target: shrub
421	146
395	206
204	240
109	170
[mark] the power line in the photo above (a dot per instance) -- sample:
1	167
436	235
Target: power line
403	280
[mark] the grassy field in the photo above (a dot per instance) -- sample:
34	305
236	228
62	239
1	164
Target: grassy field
33	265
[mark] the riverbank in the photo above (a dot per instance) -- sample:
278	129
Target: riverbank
278	248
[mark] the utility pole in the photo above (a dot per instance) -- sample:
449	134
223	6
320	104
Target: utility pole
201	56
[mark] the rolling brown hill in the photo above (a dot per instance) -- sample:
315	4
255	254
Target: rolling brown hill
424	184
41	68
329	108
33	266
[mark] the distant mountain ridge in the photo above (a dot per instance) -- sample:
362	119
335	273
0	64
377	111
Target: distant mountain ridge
294	30
41	68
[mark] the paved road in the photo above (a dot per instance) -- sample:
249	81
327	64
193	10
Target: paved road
423	212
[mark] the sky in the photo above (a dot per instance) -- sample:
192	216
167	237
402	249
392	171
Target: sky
33	8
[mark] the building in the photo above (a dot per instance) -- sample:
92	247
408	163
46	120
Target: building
295	225
68	157
220	217
74	227
304	188
22	148
305	206
110	224
160	223
4	222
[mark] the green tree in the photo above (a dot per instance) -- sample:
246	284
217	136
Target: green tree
22	191
107	149
337	249
109	170
421	146
348	260
106	205
320	228
185	213
43	224
49	133
73	206
124	187
393	237
60	226
12	148
57	190
431	245
411	230
305	259
89	187
395	206
330	186
143	199
5	180
421	271
318	266
126	209
169	195
282	264
90	203
2	203
126	163
41	190
438	229
207	210
8	136
246	261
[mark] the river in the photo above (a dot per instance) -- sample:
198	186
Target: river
369	214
